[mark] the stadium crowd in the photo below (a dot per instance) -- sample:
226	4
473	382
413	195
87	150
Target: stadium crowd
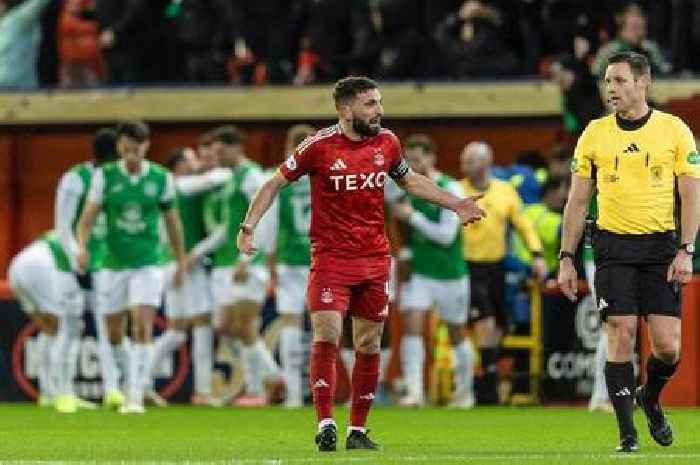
86	43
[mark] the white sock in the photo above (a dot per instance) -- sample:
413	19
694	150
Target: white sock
72	364
599	394
139	362
291	355
45	345
64	354
163	347
110	377
348	358
251	365
412	360
384	359
325	422
202	343
121	354
269	365
464	367
145	373
58	358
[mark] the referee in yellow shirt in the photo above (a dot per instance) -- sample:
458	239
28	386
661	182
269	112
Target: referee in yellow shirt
635	157
484	249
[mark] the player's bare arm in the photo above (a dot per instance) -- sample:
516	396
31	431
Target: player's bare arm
175	236
87	219
420	186
572	230
260	204
681	268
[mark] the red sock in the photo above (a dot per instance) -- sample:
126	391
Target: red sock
324	356
365	376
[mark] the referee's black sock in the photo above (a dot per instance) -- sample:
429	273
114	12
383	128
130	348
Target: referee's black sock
619	377
489	379
658	374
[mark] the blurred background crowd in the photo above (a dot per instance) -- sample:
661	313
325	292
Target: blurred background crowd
83	43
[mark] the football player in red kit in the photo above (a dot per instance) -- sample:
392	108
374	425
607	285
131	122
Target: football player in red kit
348	164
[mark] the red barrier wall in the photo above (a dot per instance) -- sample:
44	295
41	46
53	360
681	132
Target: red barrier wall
33	159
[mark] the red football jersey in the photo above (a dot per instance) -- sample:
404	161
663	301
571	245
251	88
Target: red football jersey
347	190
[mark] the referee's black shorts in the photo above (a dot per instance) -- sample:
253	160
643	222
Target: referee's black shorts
631	271
487	281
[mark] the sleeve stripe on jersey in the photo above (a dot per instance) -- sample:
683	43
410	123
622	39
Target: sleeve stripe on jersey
322	134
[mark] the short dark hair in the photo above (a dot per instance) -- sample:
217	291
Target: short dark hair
348	87
229	135
137	130
638	63
104	146
422	141
175	157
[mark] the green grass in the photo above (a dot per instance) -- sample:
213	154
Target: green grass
277	436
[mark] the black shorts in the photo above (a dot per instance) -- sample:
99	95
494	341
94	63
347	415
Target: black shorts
630	274
487	281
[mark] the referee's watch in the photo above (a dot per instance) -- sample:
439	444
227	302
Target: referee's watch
564	254
688	248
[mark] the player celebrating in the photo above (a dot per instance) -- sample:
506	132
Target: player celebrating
292	261
189	304
348	164
71	195
239	283
132	192
439	276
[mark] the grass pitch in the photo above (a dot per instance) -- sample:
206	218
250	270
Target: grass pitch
275	436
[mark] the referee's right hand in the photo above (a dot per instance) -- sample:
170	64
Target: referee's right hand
567	279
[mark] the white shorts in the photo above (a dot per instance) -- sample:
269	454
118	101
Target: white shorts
120	290
33	279
190	299
291	289
393	279
226	292
450	296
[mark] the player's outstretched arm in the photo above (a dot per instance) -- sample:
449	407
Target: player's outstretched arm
261	203
422	187
572	230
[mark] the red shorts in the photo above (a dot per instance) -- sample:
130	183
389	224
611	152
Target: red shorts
357	285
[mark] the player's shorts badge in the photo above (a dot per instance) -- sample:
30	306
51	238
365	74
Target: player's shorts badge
379	158
326	295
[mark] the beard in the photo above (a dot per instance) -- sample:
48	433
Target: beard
364	129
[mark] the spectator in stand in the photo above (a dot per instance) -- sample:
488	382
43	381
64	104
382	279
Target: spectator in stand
133	39
262	46
402	51
581	100
79	50
632	36
337	40
20	35
205	32
471	42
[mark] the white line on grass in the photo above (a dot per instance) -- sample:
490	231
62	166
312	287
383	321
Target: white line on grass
371	458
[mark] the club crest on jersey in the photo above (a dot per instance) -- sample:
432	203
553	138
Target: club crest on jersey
150	189
379	158
326	295
291	163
